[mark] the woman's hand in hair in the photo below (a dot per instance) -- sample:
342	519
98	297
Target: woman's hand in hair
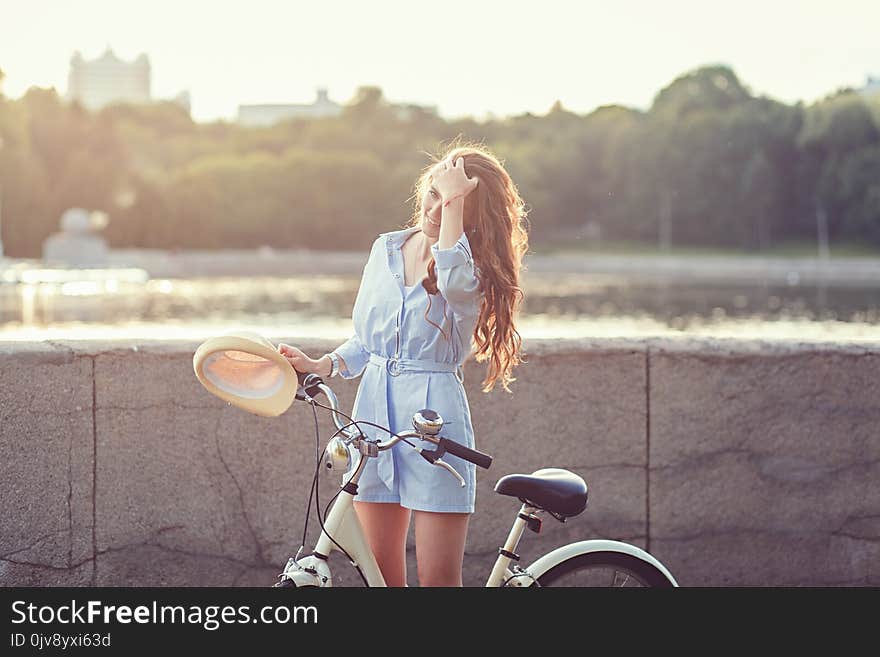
451	181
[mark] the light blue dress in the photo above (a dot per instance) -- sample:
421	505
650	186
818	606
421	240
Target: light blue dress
407	364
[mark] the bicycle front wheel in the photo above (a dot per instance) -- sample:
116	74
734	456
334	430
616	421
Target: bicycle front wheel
604	568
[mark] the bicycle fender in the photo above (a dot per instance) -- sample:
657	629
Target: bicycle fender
560	554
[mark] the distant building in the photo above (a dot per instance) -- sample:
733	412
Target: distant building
407	111
872	87
108	79
79	243
266	115
183	99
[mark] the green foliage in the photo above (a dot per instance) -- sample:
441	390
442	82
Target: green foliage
708	165
707	89
837	143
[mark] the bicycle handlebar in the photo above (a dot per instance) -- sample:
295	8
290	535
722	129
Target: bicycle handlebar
466	453
311	384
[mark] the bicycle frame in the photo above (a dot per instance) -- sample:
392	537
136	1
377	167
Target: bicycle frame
343	525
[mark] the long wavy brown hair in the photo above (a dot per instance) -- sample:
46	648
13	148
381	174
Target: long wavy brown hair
497	230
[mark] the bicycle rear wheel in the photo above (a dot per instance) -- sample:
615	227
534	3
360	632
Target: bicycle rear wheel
605	568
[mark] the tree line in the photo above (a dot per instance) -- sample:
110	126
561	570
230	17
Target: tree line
709	163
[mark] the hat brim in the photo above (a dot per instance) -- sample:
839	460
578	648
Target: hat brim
246	370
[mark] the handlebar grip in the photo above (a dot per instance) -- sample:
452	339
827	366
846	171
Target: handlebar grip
466	453
308	383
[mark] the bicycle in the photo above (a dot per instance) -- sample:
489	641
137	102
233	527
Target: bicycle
558	492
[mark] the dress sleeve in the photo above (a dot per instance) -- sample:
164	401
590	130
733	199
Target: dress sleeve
353	351
355	356
457	278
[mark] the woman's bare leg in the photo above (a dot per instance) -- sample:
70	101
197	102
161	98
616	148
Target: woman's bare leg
440	541
385	526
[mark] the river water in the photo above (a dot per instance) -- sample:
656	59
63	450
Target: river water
557	305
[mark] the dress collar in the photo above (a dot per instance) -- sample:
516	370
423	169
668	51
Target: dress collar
396	238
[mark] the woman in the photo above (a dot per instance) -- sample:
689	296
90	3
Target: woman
451	277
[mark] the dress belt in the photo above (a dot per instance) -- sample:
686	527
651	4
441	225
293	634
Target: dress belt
394	367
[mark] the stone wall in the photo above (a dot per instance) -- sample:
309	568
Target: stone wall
735	463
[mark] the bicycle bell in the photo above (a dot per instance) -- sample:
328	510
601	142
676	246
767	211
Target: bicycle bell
427	422
337	456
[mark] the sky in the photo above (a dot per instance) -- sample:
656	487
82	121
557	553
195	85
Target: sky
465	57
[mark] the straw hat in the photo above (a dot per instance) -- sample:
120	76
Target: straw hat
245	369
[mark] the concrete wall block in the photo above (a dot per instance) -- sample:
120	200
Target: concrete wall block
820	407
198	481
775	451
761	461
17	573
186	474
738	490
46	444
156	564
582	412
758	558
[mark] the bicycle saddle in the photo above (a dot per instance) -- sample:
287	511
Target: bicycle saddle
558	491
